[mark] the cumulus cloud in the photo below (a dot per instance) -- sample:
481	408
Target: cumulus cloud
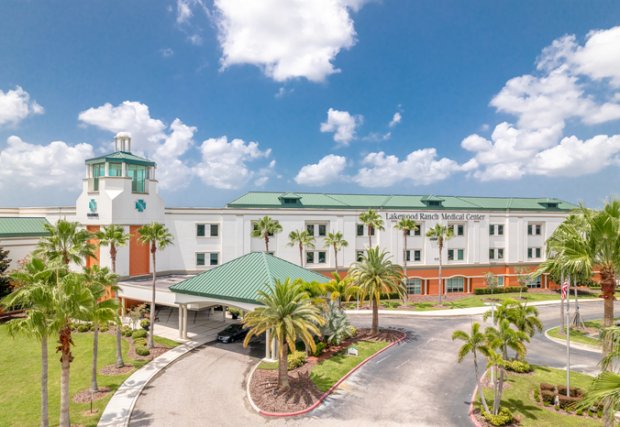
574	84
396	119
56	164
328	170
287	39
224	164
419	167
342	124
15	106
172	171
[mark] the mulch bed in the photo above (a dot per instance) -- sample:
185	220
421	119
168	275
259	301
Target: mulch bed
85	396
303	393
113	370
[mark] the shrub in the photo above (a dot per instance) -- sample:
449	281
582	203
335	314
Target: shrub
548	396
353	331
296	359
537	395
84	327
507	289
547	386
319	349
390	304
142	351
501	419
139	333
140	342
519	366
126	331
424	305
574	391
145	324
104	328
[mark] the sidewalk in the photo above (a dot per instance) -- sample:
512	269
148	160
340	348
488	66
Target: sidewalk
455	312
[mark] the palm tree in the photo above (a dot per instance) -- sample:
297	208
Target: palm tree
34	293
504	337
341	288
441	233
71	300
98	280
66	243
114	236
473	343
303	239
373	221
406	225
288	314
497	362
265	227
377	275
336	241
157	236
525	318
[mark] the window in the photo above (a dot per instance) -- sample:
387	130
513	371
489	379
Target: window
200	230
500	281
456	254
500	229
413	255
496	253
115	169
371	231
457	229
455	284
500	253
320	229
534	253
213	230
98	170
535	283
316	257
310	229
138	174
214	258
534	229
496	229
201	258
414	286
360	229
417	231
359	255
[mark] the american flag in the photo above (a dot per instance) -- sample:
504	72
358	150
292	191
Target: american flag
564	289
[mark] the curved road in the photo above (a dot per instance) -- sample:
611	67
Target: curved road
417	382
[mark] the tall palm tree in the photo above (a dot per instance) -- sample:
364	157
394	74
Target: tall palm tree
99	280
497	362
114	236
66	243
504	337
71	300
288	314
157	236
441	233
406	225
34	293
373	221
265	227
336	241
303	239
474	343
377	275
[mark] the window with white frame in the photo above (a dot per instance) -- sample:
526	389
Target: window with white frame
414	255
414	286
535	283
500	281
207	230
455	284
362	230
496	229
456	254
359	255
534	229
534	253
496	253
207	258
416	232
316	229
316	257
457	229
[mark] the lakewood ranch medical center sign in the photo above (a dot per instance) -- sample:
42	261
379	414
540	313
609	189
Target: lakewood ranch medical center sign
435	216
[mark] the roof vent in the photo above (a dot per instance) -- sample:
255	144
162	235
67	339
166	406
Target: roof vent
550	203
122	142
290	199
432	201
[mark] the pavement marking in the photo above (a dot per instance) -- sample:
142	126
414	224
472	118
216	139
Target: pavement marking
404	363
381	360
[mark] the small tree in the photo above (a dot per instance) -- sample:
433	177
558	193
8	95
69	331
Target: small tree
491	281
336	241
303	239
373	221
337	327
5	262
265	228
441	234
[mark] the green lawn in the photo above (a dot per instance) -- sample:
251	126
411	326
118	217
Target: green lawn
328	372
519	398
20	372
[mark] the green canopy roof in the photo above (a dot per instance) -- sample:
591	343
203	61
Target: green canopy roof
22	227
241	279
123	157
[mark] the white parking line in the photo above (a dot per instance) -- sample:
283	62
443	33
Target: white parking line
381	360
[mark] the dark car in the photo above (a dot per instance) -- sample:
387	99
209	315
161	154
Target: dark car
232	333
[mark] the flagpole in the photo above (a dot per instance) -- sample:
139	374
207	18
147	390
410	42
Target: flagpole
568	339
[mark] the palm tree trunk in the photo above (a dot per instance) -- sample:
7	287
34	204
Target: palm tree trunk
608	287
93	378
65	364
119	350
336	258
369	237
301	255
45	421
405	266
266	243
283	384
440	282
152	314
482	398
500	391
375	316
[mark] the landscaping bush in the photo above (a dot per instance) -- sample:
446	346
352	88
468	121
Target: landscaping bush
142	351
145	324
519	366
84	327
548	396
319	349
567	402
574	391
353	331
504	417
507	289
547	386
140	342
423	304
296	359
140	333
126	331
390	304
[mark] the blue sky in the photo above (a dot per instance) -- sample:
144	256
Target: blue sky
511	98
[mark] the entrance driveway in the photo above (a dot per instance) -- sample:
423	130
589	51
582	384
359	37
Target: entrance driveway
200	324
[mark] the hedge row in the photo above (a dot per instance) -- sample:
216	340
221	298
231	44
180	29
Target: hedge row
505	290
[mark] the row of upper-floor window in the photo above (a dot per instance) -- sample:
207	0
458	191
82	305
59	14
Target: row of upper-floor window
138	174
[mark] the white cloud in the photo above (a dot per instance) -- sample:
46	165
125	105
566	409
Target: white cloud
15	106
55	165
328	170
343	124
224	164
396	118
166	52
172	172
599	58
287	39
420	167
184	11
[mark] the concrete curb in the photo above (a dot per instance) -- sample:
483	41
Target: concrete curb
324	395
472	417
117	412
456	312
577	346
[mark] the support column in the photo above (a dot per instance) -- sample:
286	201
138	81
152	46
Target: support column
180	321
267	346
223	313
184	322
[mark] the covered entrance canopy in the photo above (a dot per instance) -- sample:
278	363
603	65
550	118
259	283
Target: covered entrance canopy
237	282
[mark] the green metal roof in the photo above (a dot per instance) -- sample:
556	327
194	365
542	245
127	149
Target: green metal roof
241	279
22	227
396	201
122	156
